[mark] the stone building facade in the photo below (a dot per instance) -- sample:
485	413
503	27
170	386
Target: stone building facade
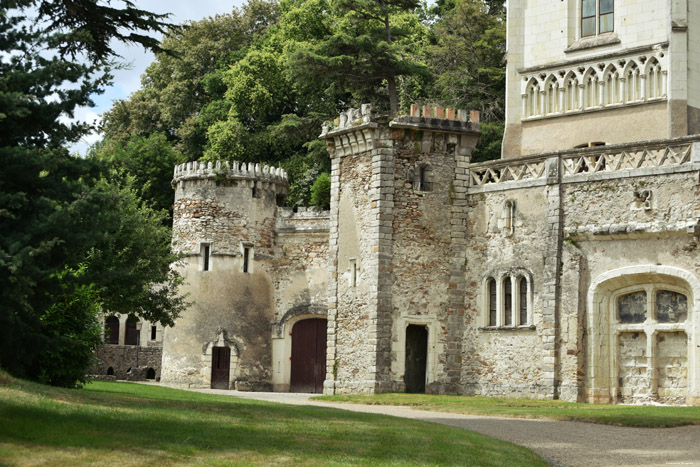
568	269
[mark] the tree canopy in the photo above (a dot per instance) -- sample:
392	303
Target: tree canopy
73	236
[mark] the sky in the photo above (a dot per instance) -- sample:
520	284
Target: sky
127	81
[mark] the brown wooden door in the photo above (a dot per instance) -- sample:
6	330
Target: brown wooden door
220	364
308	356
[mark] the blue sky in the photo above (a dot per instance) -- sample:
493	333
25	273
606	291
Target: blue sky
128	81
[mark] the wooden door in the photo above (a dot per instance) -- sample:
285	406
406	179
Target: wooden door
220	364
416	358
308	356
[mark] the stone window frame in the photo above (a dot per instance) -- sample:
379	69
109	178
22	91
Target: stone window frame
247	263
509	217
601	373
421	177
205	263
650	329
514	278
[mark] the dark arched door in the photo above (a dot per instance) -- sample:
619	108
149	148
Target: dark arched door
308	356
112	330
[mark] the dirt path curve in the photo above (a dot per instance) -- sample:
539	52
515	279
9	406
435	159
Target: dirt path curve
559	443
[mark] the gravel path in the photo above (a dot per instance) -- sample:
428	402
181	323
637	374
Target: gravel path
559	443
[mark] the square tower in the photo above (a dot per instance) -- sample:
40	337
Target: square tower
593	72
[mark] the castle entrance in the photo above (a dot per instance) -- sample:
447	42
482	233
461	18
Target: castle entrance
416	358
220	365
308	356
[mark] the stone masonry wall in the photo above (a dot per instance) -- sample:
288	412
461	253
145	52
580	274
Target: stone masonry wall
122	358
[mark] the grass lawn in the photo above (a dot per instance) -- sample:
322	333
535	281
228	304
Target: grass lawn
625	415
129	424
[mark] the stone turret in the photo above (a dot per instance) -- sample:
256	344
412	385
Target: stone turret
224	224
397	248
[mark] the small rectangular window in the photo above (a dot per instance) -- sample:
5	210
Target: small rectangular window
205	253
154	330
246	258
597	17
353	273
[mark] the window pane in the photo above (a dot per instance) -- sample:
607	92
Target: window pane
588	8
632	308
508	302
606	23
588	27
492	302
523	301
606	6
671	307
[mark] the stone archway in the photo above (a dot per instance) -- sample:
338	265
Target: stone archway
642	336
282	342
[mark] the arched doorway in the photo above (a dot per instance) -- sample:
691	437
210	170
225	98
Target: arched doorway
308	356
131	335
112	330
416	358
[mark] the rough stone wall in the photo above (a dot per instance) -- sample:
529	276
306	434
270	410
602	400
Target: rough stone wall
354	316
230	307
122	358
301	273
506	359
405	248
672	367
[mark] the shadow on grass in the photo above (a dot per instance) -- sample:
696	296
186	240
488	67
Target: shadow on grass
149	420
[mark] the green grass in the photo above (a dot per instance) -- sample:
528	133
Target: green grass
623	415
129	424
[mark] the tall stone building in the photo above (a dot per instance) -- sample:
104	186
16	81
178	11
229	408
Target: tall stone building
568	269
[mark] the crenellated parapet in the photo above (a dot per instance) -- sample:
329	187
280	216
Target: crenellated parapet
229	171
359	130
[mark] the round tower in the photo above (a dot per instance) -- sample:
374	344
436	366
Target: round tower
223	225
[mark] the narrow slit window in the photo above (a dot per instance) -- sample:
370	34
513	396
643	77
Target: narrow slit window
353	273
205	257
246	258
523	300
507	302
492	302
254	190
154	330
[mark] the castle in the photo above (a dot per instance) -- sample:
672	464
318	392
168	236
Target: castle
568	269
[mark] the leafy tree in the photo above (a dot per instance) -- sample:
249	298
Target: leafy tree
468	58
73	331
321	191
181	89
365	47
56	54
150	160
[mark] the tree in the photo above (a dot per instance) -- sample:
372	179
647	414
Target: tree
56	55
365	47
468	58
150	160
181	90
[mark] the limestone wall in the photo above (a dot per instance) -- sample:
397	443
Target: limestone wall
232	212
506	359
300	281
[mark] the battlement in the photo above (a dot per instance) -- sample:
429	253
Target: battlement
231	171
426	117
360	130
